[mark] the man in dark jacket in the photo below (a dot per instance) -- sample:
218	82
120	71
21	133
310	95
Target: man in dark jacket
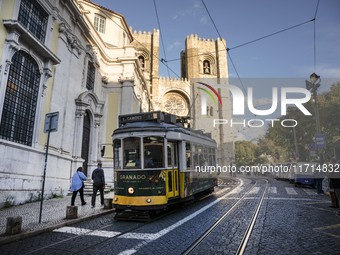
98	184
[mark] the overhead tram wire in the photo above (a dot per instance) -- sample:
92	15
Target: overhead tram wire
272	34
255	40
264	37
225	46
161	35
164	62
141	44
316	12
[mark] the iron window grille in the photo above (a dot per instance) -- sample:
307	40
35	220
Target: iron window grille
90	76
20	103
33	17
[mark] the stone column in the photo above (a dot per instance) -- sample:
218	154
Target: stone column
95	139
78	133
127	95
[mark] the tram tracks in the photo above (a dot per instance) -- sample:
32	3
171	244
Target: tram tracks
245	239
130	230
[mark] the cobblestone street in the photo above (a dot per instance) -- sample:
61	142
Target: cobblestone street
291	220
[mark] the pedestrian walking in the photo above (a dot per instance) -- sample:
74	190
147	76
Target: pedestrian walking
318	178
334	183
77	184
98	184
330	189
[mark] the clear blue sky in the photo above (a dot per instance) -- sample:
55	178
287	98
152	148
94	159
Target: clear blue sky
287	54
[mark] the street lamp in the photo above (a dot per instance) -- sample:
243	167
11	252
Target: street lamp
313	86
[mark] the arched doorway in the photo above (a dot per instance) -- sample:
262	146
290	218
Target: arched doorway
86	141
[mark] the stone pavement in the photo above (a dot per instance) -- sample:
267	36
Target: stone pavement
53	215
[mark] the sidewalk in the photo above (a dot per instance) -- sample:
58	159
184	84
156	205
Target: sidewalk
53	215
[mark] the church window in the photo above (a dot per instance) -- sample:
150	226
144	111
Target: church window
34	18
141	62
91	72
206	67
20	103
99	23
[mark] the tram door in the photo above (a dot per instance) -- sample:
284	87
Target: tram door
173	172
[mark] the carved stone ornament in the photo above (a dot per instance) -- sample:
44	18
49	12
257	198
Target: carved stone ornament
71	39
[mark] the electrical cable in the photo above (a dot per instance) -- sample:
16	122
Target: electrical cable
161	35
141	44
314	30
225	46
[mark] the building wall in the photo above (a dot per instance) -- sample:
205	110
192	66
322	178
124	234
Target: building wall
63	58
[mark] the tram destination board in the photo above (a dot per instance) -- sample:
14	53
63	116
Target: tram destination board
157	116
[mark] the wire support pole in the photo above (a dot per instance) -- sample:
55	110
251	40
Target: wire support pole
44	176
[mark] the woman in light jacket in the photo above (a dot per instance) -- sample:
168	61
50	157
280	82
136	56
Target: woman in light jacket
77	185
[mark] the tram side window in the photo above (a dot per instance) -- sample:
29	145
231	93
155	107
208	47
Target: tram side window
188	154
195	155
205	158
172	155
212	157
153	152
117	146
131	156
201	155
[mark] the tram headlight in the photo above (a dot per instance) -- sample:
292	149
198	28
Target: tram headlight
148	200
131	190
115	199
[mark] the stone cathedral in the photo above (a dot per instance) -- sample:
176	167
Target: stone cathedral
201	60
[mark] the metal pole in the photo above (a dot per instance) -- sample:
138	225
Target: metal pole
317	115
295	143
44	176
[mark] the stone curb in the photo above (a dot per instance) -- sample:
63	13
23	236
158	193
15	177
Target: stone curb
9	239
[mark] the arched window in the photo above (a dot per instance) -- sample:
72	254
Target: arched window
141	62
19	108
206	67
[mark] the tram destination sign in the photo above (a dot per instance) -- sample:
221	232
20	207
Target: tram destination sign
136	117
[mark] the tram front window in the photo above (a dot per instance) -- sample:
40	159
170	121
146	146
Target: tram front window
131	156
153	152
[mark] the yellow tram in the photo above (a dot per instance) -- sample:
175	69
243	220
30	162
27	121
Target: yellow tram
157	162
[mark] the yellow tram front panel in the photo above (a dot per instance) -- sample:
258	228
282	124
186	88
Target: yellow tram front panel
140	188
139	200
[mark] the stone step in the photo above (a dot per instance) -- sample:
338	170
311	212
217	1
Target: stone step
88	189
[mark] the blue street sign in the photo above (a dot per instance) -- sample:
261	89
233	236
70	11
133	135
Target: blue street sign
320	141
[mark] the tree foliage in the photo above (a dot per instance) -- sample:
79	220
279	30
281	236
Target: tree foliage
329	114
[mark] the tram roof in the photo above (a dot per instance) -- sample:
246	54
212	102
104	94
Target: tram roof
149	126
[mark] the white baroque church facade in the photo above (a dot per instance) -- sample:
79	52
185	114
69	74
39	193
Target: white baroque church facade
82	60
